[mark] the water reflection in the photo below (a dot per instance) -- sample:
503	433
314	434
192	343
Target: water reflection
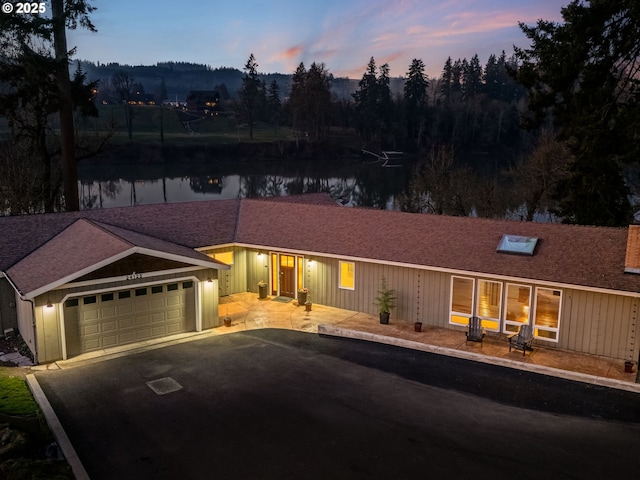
368	186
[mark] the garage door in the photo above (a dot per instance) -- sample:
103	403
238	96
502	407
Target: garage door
94	322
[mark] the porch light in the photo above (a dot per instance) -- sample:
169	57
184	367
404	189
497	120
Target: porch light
209	280
49	304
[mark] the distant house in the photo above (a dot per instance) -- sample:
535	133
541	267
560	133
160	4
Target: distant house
77	282
141	98
203	101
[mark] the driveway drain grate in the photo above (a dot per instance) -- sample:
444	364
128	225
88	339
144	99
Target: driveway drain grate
162	386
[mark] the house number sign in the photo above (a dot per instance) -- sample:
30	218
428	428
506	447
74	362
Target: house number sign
134	275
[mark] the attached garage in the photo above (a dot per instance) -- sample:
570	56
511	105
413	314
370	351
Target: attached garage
108	319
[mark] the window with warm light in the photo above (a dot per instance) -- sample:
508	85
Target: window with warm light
517	306
547	316
300	272
461	300
347	275
489	303
224	257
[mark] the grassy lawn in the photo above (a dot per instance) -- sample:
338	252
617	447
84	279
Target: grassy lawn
15	396
26	436
220	129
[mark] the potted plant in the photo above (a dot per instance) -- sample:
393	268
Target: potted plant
262	289
303	293
628	366
385	301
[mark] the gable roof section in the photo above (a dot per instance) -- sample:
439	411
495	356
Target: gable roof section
566	254
85	246
191	224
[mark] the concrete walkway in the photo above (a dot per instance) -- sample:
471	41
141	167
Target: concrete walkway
247	312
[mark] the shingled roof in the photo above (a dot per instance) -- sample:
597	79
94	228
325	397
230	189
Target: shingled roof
85	246
571	255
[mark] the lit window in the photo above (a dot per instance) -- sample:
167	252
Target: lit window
224	257
518	302
347	275
489	302
547	316
461	300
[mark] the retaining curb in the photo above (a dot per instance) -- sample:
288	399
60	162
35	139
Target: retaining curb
334	331
56	428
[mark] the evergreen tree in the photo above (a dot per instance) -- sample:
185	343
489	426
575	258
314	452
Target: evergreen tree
47	36
250	92
274	105
471	77
415	99
446	81
372	102
584	74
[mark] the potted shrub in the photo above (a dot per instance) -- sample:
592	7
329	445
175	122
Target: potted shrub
262	289
385	301
303	293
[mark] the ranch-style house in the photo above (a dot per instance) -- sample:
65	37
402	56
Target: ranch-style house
75	282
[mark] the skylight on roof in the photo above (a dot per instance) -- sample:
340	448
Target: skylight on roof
517	244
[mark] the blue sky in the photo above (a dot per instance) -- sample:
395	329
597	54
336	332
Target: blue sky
343	34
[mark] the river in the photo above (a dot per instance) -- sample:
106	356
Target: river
354	185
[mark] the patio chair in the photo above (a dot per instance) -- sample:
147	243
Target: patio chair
523	340
476	332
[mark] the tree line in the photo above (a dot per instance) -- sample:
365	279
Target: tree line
553	126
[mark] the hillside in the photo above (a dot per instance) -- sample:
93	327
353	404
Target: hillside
182	77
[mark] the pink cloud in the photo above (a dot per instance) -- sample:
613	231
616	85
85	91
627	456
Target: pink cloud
291	53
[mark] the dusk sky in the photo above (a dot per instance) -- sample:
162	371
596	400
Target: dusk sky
343	34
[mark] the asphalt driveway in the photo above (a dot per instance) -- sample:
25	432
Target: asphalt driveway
290	405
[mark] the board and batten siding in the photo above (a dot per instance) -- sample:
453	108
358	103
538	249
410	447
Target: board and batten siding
590	322
233	280
420	294
599	324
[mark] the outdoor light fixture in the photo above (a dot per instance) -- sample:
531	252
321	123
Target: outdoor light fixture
209	280
259	254
49	304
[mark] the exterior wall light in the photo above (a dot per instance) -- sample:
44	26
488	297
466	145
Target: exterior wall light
49	304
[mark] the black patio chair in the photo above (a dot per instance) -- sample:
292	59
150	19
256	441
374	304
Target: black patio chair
523	340
475	332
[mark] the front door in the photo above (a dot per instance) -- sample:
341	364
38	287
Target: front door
287	276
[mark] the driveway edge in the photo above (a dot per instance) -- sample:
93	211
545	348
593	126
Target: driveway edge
334	331
56	428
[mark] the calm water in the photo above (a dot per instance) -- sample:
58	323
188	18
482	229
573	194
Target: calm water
371	186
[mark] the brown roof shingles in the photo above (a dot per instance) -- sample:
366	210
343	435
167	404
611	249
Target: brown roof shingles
577	255
76	248
587	256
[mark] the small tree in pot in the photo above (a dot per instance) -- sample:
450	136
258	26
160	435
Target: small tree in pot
385	300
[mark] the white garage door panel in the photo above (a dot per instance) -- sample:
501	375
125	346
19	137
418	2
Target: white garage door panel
106	320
